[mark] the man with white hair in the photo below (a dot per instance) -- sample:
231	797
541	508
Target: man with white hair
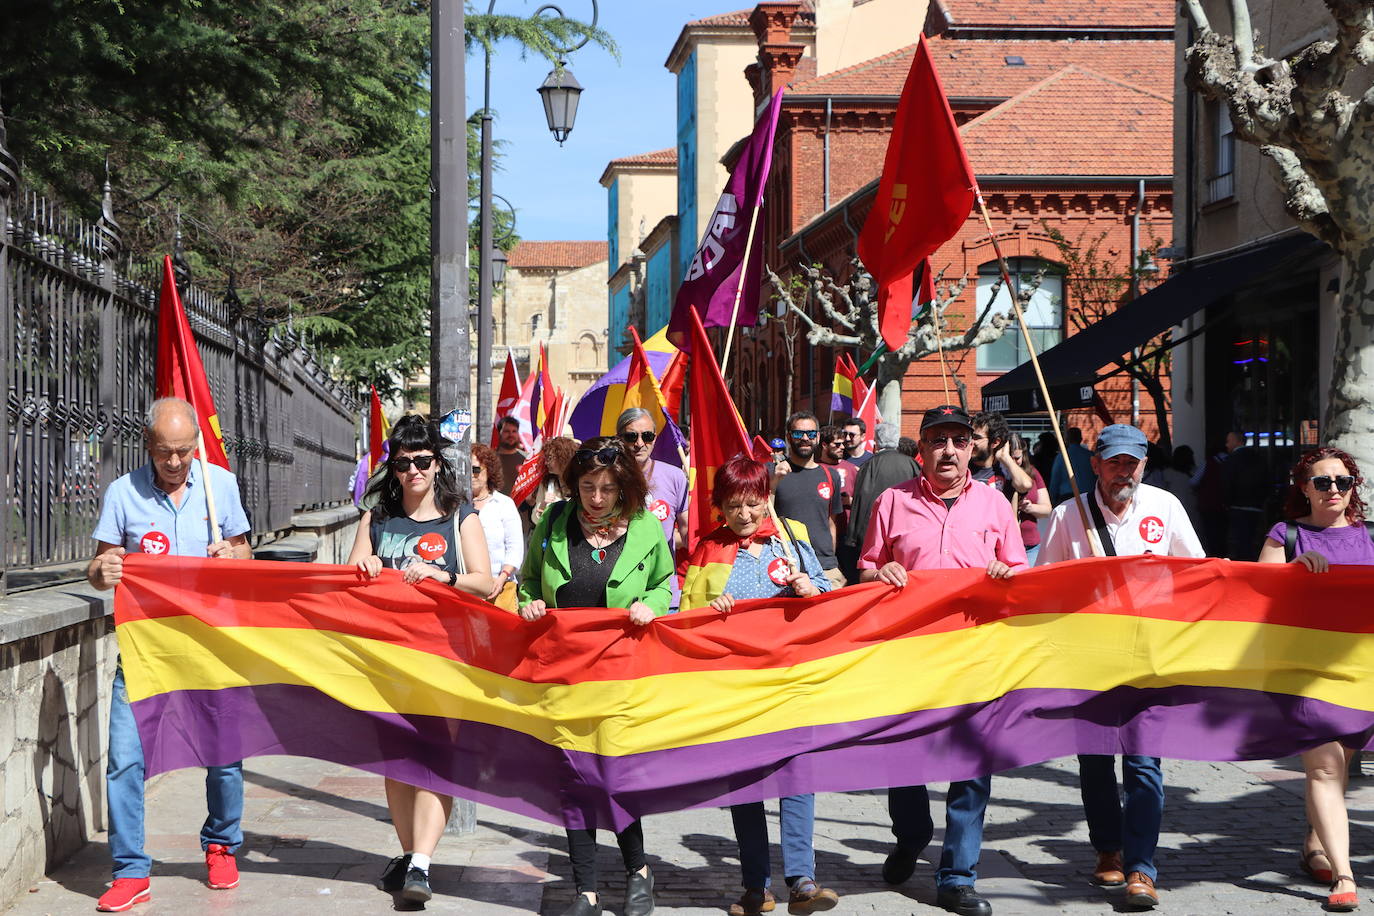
666	498
163	508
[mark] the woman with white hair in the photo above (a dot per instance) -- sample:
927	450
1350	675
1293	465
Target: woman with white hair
666	499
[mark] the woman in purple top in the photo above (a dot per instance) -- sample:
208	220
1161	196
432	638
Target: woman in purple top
1325	510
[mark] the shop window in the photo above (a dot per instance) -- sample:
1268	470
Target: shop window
1044	312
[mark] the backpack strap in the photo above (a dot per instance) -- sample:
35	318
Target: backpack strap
458	542
1290	540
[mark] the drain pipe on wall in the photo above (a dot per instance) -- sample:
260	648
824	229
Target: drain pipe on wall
825	160
1135	291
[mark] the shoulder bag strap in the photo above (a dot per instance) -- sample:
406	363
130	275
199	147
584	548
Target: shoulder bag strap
1290	540
1108	545
458	541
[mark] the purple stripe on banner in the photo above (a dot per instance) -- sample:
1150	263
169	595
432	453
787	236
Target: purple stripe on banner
512	771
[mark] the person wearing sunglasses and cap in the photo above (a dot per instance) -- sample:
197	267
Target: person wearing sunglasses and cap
810	492
941	520
600	549
1326	527
1130	518
420	525
666	498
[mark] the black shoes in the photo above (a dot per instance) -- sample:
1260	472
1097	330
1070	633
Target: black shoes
900	864
639	893
394	878
416	887
962	899
583	907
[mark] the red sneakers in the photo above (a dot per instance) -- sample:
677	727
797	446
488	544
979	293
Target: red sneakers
224	871
123	894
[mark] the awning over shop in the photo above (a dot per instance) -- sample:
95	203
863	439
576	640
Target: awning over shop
1072	367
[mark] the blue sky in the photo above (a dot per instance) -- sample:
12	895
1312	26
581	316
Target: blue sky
628	107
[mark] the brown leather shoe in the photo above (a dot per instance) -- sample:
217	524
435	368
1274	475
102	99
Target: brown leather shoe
754	900
1109	871
809	897
1140	891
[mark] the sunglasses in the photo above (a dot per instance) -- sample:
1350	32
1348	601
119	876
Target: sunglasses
959	442
600	456
632	438
1343	483
401	465
805	433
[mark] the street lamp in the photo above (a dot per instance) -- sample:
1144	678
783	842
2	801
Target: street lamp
560	93
498	267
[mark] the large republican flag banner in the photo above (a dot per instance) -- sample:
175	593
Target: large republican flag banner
925	194
583	719
727	268
179	371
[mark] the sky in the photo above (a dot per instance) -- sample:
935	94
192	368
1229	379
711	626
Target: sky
628	107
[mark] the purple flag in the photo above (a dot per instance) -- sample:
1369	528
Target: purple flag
713	276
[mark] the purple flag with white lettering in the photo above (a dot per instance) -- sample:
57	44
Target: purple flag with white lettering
713	277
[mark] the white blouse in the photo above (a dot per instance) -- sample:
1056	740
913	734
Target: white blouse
505	536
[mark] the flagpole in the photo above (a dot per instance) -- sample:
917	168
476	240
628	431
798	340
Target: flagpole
739	290
209	490
1089	531
940	346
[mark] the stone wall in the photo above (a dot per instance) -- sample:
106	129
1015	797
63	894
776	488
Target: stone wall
57	658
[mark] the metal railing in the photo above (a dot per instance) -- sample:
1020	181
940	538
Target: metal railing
80	343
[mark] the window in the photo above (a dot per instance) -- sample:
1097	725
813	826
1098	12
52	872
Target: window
1044	313
1222	185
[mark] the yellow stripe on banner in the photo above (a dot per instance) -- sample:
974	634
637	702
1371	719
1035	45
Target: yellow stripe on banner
614	718
700	581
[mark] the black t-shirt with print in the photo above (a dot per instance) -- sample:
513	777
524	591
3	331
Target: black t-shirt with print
812	496
394	540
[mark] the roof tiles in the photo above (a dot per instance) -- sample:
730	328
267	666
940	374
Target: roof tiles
1103	14
657	157
571	255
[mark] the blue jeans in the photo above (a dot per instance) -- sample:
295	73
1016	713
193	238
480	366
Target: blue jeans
124	793
965	806
1032	553
798	816
1133	832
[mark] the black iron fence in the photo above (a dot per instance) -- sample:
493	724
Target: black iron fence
79	349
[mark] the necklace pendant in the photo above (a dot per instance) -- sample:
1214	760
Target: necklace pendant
599	554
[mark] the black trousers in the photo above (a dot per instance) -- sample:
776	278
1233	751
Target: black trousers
582	851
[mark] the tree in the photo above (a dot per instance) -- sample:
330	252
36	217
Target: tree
1095	287
852	309
1322	142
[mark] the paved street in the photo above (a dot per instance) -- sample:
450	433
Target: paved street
317	837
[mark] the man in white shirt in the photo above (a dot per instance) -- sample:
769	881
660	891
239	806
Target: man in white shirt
1130	518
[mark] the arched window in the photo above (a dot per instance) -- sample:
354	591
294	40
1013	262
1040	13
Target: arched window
587	352
1044	313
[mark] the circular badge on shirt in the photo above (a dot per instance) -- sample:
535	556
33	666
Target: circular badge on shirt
431	547
154	542
779	570
1151	530
823	489
659	509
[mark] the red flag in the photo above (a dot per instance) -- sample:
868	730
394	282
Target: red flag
716	436
527	478
509	397
860	393
853	370
180	373
672	383
376	432
868	412
926	193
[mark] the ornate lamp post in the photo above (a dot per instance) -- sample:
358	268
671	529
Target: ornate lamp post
560	93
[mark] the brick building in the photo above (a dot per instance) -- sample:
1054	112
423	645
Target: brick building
1065	110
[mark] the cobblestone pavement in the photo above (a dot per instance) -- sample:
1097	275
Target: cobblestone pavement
317	837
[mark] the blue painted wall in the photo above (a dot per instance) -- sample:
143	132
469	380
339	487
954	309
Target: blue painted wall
687	162
658	282
620	320
613	227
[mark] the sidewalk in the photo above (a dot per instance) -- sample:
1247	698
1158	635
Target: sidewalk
316	839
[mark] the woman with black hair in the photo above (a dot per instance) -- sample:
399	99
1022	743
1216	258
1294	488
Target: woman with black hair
421	526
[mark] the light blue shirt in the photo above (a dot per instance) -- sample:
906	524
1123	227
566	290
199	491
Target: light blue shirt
140	517
749	577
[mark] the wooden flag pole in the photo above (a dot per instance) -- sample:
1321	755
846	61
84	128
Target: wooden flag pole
940	345
792	558
739	290
1089	531
209	490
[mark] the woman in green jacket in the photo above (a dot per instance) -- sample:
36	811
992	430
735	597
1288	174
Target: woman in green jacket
601	549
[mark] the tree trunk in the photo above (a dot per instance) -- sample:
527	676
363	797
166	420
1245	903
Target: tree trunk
1350	406
1155	389
890	401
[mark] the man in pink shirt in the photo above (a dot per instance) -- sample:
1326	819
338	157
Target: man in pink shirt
941	520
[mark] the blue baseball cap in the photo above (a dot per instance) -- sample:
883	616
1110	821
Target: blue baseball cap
777	443
1121	439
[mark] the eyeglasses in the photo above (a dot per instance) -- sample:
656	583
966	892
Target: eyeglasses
1343	483
851	434
799	434
600	456
959	442
401	465
632	438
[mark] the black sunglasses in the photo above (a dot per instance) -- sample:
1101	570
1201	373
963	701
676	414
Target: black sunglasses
959	442
1323	483
401	465
631	438
600	456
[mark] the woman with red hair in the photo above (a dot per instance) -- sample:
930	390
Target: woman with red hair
1326	528
746	558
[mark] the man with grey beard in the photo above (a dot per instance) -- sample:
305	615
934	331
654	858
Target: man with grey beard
1130	518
